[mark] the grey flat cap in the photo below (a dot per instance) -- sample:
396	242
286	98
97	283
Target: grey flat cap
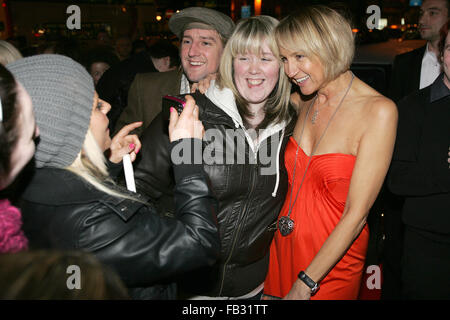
217	20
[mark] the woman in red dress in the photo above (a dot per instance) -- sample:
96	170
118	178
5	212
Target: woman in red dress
336	159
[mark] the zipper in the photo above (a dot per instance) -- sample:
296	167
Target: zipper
252	184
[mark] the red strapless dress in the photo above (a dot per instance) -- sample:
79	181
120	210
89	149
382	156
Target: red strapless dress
317	211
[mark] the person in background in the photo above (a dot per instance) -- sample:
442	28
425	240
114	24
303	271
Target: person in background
411	71
123	47
67	46
51	275
420	172
72	203
103	38
18	132
115	83
98	61
139	46
419	68
336	159
8	53
203	34
164	56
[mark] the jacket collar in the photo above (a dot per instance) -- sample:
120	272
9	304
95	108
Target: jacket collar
438	89
224	99
59	187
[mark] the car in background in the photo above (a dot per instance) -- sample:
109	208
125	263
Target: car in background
373	62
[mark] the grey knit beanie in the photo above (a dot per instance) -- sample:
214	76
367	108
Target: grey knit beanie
62	93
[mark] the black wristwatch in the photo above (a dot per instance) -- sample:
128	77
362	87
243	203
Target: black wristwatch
314	286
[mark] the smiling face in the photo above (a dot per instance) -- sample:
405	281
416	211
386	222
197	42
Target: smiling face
433	15
200	53
256	75
28	132
99	123
305	72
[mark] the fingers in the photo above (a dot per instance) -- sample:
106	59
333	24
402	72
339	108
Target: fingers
134	144
173	120
124	143
128	128
186	125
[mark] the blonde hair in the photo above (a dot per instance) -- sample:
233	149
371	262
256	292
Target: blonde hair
8	53
248	37
319	31
90	164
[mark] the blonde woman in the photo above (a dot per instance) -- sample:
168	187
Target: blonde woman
245	116
72	204
336	159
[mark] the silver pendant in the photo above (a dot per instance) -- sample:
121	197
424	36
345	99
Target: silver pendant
314	116
285	225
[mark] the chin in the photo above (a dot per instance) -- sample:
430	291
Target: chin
195	76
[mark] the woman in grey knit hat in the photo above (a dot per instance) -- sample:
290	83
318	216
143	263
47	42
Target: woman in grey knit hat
72	203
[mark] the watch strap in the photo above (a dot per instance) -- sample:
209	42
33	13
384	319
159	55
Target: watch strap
314	286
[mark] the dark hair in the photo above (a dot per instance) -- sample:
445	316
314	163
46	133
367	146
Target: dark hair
44	274
444	33
9	133
164	48
100	54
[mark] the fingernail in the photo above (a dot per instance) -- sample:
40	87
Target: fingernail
172	109
132	145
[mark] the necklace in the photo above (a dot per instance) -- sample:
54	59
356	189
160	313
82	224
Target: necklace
315	115
285	223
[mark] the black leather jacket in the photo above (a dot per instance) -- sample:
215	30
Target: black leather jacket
247	212
146	249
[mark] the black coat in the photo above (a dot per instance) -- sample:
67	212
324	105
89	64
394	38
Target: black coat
60	210
247	211
419	170
115	83
405	77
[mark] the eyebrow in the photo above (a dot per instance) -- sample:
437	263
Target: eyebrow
202	37
208	38
432	8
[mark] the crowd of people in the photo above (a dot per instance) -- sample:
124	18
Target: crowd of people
259	188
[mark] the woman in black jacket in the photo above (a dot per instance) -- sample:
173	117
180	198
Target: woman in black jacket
246	116
71	203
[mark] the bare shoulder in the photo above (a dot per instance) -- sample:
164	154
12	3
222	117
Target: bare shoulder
377	107
382	110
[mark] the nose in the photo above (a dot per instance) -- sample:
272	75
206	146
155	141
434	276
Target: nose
193	49
254	66
107	107
290	69
423	18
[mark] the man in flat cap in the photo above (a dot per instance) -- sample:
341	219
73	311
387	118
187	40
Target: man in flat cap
203	33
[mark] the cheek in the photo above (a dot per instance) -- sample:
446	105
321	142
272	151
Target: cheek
184	50
213	58
239	72
272	75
